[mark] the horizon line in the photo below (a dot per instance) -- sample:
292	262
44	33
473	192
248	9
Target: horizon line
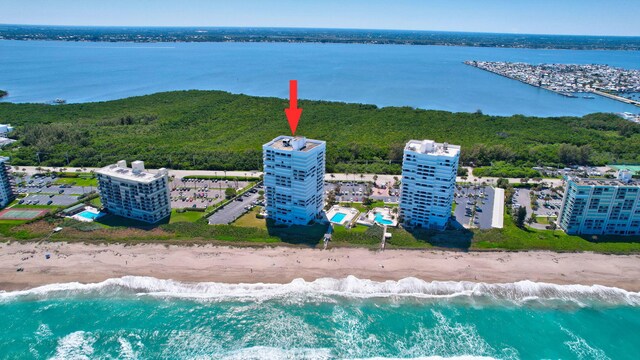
315	28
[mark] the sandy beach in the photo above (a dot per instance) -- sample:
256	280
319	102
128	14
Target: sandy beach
95	263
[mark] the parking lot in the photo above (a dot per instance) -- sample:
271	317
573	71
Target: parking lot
43	191
548	202
201	193
45	185
355	191
51	199
230	212
474	207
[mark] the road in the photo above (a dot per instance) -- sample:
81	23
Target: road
230	212
330	176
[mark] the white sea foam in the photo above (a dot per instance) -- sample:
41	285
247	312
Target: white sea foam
271	353
329	288
126	350
77	345
461	357
582	349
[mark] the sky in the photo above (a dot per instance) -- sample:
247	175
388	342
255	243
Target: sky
573	17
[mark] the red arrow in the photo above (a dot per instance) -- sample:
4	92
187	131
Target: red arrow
293	113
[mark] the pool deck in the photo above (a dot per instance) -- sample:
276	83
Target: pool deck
349	214
90	209
370	218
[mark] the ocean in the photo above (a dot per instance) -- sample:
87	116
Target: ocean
428	77
147	318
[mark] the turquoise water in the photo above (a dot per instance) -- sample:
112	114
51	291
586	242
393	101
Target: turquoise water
90	215
136	317
380	220
338	217
430	77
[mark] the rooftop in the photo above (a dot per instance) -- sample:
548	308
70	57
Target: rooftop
136	173
605	182
623	178
433	148
293	143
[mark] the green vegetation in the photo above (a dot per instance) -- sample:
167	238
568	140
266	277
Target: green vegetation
184	216
512	237
221	131
77	181
3	93
520	216
503	169
545	220
230	178
251	230
250	219
230	192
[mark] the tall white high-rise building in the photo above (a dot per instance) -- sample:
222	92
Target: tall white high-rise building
294	179
6	183
429	172
135	193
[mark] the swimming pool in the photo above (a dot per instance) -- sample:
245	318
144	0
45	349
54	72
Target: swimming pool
90	215
380	220
338	217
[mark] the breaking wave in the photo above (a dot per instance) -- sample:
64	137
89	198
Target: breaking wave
329	289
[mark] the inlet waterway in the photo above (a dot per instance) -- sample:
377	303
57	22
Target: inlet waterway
428	77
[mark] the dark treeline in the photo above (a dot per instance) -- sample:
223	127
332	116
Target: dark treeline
221	131
404	37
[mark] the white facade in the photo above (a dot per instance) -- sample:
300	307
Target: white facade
5	129
294	179
135	193
429	172
6	186
601	206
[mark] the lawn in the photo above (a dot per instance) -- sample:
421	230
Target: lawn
186	216
297	234
250	220
544	219
513	238
78	181
96	202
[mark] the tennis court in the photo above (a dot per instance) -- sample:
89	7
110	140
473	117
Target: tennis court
21	214
632	168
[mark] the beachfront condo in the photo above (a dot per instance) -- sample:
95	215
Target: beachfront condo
6	183
134	192
601	206
429	172
294	179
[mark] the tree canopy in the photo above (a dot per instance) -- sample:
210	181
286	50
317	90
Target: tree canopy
223	131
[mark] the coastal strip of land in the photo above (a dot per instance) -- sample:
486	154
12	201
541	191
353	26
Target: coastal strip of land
75	262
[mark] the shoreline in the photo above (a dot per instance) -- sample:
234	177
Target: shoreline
84	263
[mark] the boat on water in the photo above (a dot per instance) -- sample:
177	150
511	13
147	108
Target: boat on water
588	97
60	101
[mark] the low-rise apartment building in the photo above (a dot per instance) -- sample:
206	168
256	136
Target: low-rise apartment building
134	192
601	206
